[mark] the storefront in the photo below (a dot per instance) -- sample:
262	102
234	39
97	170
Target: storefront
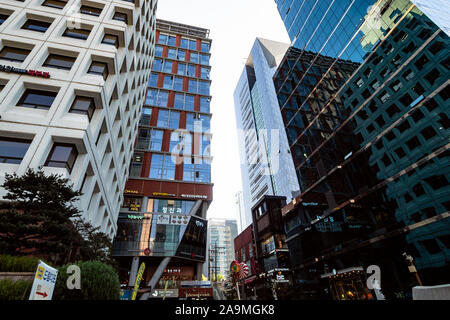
349	284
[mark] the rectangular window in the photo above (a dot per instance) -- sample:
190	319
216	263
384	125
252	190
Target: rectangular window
92	11
169	168
111	39
14	54
181	55
153	80
168	82
190	121
204	73
174	120
203	87
172	53
36	25
62	156
37	99
157	65
172	40
167	67
13	150
145	116
151	97
156	140
205	46
192	88
119	16
184	43
156	166
99	68
83	105
179	101
188	169
205	104
162	39
189	103
194	57
163	98
181	69
59	62
204	59
192	45
163	118
57	4
178	84
191	70
136	164
81	34
158	51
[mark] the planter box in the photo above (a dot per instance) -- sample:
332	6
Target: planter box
14	276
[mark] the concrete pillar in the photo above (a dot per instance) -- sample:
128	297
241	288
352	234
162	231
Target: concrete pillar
133	271
199	270
156	276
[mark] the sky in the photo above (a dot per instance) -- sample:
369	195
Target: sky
234	26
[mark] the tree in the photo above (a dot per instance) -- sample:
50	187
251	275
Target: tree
40	218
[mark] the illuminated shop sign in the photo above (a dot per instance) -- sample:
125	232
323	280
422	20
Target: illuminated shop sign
163	194
131	191
194	196
33	73
135	217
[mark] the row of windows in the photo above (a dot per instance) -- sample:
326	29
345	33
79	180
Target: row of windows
182	69
194	169
184	43
177	83
171	119
53	61
86	9
180	55
61	155
180	142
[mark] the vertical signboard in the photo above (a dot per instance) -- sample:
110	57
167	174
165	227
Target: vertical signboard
44	282
138	280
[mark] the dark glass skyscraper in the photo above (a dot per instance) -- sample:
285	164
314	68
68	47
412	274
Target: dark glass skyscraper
364	97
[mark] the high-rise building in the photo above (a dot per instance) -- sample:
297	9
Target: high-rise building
364	98
163	218
221	234
266	163
73	78
241	210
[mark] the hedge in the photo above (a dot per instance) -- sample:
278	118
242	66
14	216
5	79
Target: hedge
99	281
18	263
15	290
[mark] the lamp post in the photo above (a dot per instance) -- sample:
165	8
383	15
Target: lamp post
411	267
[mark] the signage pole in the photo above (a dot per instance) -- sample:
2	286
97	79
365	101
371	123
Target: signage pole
237	289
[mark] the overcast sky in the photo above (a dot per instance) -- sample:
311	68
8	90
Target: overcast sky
233	25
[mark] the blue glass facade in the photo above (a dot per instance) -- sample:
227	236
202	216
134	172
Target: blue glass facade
364	97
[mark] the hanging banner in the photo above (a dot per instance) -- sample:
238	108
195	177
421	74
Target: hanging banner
138	280
44	282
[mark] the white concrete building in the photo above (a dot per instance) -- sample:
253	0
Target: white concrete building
266	162
78	115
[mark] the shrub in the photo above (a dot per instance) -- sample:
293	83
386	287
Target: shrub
99	281
18	263
15	290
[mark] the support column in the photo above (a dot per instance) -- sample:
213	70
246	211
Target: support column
156	276
133	271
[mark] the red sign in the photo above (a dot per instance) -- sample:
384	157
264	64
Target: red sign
34	73
195	292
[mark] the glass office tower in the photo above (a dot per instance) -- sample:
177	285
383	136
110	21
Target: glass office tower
369	134
163	218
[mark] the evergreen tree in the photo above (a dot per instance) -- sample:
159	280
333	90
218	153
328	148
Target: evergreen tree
40	217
